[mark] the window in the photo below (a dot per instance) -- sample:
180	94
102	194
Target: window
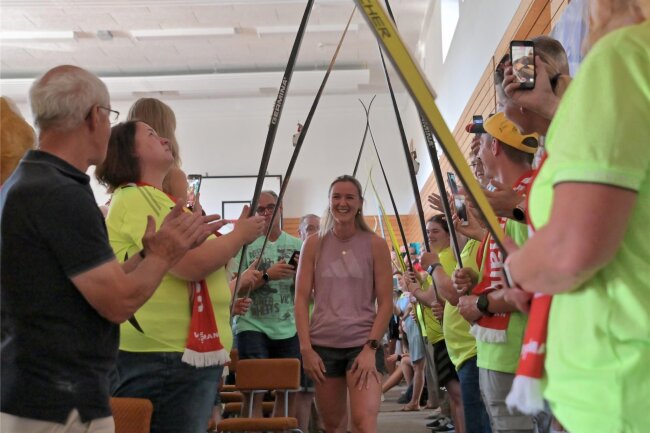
449	13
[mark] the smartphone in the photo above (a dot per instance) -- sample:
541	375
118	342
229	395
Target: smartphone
293	261
522	54
459	199
194	185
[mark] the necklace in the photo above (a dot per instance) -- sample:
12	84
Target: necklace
345	250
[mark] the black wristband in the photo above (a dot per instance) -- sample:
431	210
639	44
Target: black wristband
432	268
483	304
142	254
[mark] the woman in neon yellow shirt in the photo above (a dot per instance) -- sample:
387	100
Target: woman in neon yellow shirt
590	204
460	344
173	333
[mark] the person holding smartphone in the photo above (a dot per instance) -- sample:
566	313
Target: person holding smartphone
590	205
268	329
160	359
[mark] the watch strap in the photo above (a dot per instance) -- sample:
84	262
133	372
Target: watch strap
373	344
431	269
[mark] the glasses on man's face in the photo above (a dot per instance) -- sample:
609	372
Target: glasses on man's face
261	210
112	114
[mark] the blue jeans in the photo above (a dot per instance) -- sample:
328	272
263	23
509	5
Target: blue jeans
182	395
476	417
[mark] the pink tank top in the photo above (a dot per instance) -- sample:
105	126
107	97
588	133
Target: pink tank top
344	293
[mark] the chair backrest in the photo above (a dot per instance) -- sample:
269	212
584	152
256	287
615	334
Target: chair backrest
234	359
132	415
258	374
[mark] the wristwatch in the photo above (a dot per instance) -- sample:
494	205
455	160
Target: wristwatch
483	303
266	277
373	344
519	214
432	268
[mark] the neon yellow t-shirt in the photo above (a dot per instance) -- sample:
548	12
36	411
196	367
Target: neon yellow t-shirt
428	322
504	357
165	317
461	344
598	352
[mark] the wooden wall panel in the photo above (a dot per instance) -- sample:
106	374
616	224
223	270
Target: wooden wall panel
532	18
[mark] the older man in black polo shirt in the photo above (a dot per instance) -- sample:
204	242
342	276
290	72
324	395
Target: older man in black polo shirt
63	292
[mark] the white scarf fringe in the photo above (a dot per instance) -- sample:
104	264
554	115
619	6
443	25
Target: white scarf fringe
488	335
205	359
526	395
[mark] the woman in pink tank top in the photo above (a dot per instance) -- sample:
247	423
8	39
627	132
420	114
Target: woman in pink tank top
347	268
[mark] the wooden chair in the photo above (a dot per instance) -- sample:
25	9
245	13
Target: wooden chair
232	366
234	409
261	375
131	415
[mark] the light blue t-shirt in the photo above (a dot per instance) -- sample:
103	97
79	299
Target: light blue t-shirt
272	309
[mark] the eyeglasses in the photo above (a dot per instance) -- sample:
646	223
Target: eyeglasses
112	114
264	210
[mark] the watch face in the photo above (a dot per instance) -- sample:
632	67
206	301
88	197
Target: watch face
482	303
518	214
374	344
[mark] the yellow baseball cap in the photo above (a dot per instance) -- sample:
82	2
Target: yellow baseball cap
499	127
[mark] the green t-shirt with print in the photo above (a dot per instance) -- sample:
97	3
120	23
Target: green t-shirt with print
598	349
504	357
461	344
271	311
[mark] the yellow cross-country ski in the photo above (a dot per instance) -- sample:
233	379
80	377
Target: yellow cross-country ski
423	96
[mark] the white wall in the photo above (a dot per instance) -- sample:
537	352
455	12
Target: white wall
481	26
226	137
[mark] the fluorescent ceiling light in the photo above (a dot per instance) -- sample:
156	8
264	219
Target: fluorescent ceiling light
179	33
318	28
36	35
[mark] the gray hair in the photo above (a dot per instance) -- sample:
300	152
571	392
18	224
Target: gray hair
62	97
303	220
271	193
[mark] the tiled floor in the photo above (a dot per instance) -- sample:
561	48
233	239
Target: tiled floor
393	420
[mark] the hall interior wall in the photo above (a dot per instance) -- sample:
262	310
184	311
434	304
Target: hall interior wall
532	18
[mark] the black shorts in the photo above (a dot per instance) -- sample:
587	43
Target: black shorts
338	361
444	367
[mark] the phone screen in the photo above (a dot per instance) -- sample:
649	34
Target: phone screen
194	185
522	54
477	120
459	199
293	261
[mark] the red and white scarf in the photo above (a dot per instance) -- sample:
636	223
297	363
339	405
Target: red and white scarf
203	347
492	329
526	392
